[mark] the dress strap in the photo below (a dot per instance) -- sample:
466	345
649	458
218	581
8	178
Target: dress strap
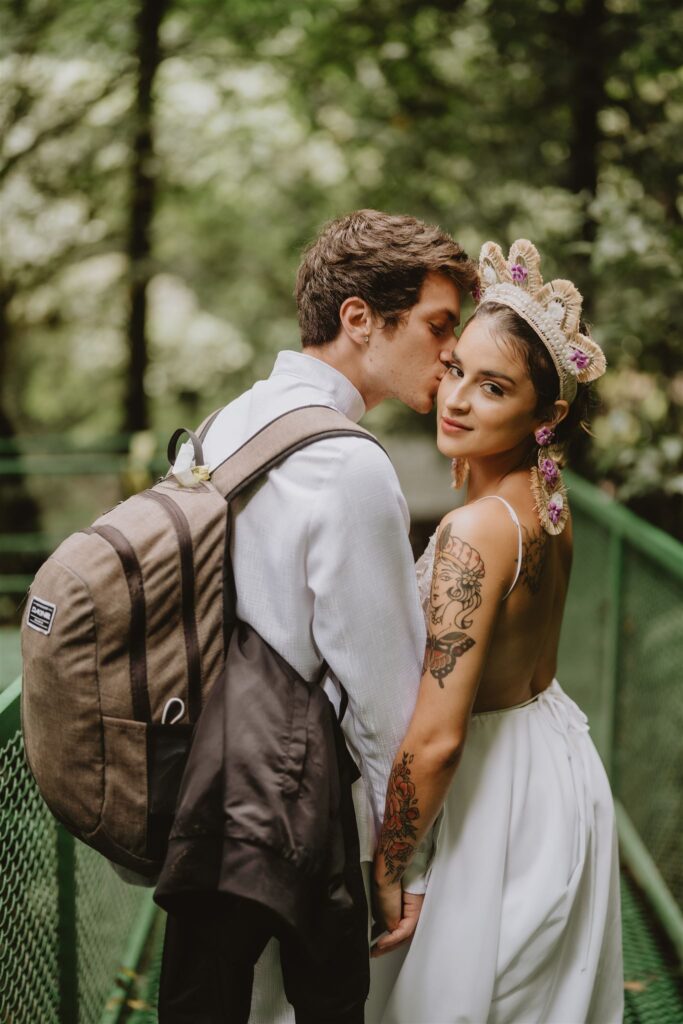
515	519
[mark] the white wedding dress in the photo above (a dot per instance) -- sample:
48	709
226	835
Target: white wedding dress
521	919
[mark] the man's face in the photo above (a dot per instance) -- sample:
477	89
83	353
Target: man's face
408	362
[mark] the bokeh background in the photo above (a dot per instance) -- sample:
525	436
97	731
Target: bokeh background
165	161
162	165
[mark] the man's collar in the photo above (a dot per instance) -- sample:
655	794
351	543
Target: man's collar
344	394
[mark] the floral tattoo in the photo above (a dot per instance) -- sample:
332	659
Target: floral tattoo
455	597
397	841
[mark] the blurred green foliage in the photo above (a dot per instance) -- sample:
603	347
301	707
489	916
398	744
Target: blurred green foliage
557	120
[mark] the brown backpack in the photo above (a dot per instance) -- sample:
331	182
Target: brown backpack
126	631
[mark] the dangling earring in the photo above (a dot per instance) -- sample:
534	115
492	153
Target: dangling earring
460	470
547	485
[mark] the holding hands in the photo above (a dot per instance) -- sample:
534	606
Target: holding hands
399	912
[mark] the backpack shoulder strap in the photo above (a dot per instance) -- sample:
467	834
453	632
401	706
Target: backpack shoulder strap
203	428
281	437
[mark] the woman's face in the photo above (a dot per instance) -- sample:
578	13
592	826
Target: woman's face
486	402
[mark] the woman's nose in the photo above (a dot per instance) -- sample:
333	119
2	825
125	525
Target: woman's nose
456	396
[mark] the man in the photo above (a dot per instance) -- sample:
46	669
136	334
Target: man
323	567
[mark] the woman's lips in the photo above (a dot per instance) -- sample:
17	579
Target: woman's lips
453	426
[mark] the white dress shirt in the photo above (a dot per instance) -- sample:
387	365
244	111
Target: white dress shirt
323	570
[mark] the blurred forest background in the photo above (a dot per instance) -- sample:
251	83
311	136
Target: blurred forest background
165	161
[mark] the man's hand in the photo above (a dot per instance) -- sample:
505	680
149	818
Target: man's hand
400	911
387	903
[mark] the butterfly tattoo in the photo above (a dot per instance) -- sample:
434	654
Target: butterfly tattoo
442	653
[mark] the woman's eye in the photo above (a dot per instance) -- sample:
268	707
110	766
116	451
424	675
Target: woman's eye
493	389
454	370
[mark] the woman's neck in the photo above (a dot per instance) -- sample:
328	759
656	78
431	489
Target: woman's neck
486	475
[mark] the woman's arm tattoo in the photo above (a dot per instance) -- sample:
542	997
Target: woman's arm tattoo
455	597
397	841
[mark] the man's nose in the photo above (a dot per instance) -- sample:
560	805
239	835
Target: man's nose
444	358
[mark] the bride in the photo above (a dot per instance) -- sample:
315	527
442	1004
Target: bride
521	918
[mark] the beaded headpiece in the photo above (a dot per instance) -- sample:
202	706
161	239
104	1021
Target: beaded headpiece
553	310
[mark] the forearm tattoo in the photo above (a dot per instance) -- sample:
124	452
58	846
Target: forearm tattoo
534	549
397	841
455	597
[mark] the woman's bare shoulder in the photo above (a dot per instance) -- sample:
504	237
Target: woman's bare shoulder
478	519
486	529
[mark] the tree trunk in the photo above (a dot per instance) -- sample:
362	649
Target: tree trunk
142	201
19	511
587	47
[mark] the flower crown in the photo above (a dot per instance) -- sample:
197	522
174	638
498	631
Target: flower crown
553	310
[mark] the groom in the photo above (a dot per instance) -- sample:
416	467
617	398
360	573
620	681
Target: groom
323	567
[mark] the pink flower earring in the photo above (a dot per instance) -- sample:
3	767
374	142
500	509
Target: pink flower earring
547	485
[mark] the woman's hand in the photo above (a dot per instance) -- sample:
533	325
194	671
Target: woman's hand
404	927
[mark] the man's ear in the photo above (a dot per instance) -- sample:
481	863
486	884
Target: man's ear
356	319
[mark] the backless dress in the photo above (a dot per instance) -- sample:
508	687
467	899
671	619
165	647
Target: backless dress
521	919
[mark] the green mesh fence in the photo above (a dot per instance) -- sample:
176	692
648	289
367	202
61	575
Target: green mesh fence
29	964
584	651
65	917
106	909
652	992
648	754
621	656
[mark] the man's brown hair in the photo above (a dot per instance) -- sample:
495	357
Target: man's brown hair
382	258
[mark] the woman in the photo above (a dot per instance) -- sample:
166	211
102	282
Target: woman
521	919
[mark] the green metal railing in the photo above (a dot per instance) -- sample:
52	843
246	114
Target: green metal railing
70	929
620	657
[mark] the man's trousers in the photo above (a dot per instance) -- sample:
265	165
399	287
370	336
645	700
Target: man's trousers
208	969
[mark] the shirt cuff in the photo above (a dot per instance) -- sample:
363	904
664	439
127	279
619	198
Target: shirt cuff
415	878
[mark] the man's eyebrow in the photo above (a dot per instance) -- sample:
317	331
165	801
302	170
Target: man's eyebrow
449	316
486	373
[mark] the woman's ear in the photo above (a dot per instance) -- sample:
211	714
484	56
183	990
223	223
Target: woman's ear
560	411
356	319
553	414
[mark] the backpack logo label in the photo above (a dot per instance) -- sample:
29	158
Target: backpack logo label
41	615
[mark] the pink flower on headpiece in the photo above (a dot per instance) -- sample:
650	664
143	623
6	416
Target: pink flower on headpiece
555	506
519	273
544	435
476	293
549	470
579	359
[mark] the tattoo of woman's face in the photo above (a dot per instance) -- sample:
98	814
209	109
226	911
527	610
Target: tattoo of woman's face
456	584
455	597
